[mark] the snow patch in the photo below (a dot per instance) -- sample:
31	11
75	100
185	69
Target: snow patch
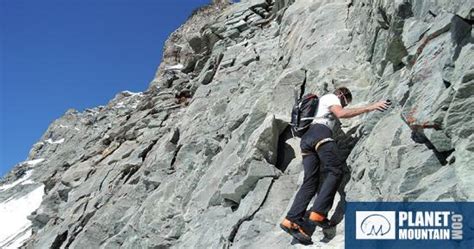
175	67
15	228
18	240
27	182
132	93
13	184
119	105
77	129
63	126
130	100
50	141
34	162
135	105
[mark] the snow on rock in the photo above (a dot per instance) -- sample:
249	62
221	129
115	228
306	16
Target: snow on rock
14	212
27	182
25	178
19	181
34	162
135	104
63	126
50	141
91	112
18	240
119	105
128	99
131	93
175	67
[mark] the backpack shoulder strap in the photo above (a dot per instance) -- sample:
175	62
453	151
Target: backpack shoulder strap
303	85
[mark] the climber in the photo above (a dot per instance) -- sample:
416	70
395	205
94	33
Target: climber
320	156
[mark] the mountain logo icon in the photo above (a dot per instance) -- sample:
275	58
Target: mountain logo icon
375	225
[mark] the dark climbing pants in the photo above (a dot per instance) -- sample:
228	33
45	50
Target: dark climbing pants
324	164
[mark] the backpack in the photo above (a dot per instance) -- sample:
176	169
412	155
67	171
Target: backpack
302	114
303	111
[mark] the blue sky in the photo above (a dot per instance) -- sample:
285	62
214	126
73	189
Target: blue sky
56	55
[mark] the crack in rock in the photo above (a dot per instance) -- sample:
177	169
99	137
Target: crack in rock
236	227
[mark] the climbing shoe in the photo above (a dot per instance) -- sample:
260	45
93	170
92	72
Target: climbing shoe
319	220
287	226
301	237
296	231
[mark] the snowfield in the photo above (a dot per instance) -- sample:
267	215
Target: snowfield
14	226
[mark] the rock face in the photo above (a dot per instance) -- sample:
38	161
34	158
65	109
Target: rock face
204	157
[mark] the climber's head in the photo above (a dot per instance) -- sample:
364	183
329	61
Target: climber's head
344	95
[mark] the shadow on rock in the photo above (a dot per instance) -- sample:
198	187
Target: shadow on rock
286	153
345	142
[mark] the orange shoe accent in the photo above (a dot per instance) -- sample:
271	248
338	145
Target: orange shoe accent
288	224
316	216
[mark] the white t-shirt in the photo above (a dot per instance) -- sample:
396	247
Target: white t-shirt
324	115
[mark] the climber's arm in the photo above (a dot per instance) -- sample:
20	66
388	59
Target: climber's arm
340	112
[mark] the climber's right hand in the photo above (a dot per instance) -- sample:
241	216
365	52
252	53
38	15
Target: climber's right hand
380	106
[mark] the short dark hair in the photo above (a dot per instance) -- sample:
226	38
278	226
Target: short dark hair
344	91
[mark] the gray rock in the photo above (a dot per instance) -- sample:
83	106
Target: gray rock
196	44
210	162
210	69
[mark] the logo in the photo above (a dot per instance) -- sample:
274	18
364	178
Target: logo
375	225
433	225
